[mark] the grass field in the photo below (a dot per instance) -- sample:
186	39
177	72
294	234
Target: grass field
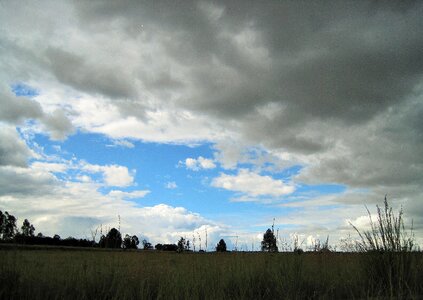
60	273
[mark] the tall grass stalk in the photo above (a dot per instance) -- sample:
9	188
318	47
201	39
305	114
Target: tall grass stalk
387	234
389	258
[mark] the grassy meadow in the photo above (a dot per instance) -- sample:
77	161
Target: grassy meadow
64	273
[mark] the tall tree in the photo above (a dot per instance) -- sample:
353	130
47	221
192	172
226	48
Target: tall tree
7	226
146	245
183	245
126	242
130	242
269	242
134	242
27	228
113	239
221	246
2	223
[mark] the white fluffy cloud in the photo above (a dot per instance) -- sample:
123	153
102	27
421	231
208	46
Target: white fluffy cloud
122	143
50	166
171	185
114	175
73	208
253	184
199	163
128	195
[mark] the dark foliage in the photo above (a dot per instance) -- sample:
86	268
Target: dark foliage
7	226
49	241
27	228
146	245
183	245
221	246
113	239
166	247
130	242
269	242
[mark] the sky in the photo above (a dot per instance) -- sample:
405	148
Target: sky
218	118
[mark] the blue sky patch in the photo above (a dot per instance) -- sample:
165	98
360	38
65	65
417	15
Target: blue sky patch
23	90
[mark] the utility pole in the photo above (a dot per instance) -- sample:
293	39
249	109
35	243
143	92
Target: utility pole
206	239
119	222
277	238
199	238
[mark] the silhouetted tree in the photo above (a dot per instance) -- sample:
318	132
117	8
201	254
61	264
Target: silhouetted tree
2	224
158	247
126	242
221	246
102	241
183	245
170	247
269	242
130	242
134	242
146	245
7	226
27	228
113	239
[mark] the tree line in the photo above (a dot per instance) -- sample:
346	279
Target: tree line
387	234
10	233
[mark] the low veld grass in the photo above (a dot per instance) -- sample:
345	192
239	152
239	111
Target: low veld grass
61	274
385	268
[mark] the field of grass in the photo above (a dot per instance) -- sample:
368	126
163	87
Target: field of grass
60	273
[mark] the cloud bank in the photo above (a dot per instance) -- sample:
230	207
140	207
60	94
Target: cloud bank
333	87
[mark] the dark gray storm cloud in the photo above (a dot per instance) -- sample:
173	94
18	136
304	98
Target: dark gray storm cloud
17	109
97	78
338	84
347	60
13	151
25	182
333	86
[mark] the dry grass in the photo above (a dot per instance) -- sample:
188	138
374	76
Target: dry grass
79	274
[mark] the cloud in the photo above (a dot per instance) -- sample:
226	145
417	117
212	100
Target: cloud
26	181
62	210
199	163
122	143
76	71
171	185
58	125
114	175
252	184
19	109
13	151
128	195
71	208
50	166
117	176
339	93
